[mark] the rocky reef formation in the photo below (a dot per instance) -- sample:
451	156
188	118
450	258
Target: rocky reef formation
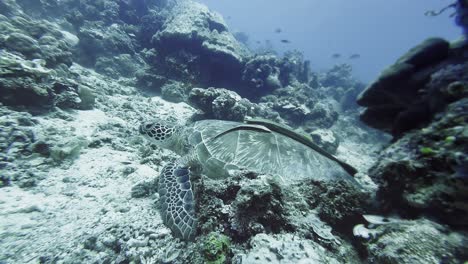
35	60
422	101
387	241
70	154
195	45
410	92
227	105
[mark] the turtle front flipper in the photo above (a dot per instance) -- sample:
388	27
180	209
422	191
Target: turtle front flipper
177	200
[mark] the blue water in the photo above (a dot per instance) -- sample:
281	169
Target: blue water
380	31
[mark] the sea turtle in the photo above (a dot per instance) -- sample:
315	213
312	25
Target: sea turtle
218	147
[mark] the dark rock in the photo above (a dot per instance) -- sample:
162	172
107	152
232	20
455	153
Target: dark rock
462	16
340	204
430	51
405	96
385	89
261	74
200	40
422	173
151	23
41	147
259	207
66	95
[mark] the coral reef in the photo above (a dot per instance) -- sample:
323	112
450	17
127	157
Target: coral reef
261	74
421	100
424	171
35	62
195	38
72	165
416	241
227	105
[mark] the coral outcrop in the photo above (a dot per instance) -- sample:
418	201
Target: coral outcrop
199	39
402	98
227	105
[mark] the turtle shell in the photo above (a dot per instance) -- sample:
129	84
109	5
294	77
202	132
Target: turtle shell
258	151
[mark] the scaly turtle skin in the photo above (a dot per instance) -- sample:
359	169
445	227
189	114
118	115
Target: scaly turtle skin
218	147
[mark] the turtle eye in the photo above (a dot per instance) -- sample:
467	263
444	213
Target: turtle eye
145	128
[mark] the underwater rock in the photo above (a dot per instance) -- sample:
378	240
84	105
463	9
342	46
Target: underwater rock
36	40
174	92
216	248
18	145
219	103
285	248
148	80
66	94
259	207
424	172
192	30
401	99
123	65
87	97
303	106
339	204
323	114
98	41
150	24
462	16
22	82
417	241
68	149
241	206
340	84
23	44
36	56
338	76
295	69
261	74
227	105
325	139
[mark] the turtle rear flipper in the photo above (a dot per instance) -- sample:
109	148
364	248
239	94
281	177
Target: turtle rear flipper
177	200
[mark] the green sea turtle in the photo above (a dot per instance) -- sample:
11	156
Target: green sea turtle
218	147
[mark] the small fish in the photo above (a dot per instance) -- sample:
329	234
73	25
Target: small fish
258	42
336	56
285	41
228	17
354	56
278	30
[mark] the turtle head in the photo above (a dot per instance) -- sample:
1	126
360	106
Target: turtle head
163	134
